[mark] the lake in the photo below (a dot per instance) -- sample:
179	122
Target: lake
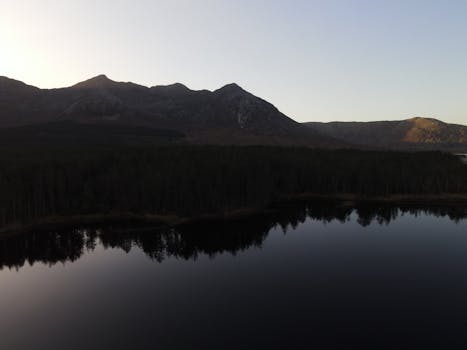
322	275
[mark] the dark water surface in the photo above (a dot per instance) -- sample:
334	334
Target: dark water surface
311	276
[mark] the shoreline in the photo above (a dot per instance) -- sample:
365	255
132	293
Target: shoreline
428	199
166	221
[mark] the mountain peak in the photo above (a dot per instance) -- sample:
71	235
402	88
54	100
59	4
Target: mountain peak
230	88
99	81
177	88
9	84
426	122
101	77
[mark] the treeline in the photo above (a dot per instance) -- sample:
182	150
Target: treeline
193	180
200	239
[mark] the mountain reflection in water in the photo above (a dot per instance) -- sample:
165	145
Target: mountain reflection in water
188	242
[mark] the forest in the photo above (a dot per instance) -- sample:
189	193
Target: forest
189	181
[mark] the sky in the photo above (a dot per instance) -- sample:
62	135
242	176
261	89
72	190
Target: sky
316	60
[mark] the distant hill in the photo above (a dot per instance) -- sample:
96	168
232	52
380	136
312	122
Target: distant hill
229	115
410	134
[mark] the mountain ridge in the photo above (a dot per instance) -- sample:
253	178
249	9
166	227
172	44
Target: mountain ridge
228	115
416	133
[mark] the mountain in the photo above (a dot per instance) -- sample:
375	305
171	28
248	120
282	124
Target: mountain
411	134
229	115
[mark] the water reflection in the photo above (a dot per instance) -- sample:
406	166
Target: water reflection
188	242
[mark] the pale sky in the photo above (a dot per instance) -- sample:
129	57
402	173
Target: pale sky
316	60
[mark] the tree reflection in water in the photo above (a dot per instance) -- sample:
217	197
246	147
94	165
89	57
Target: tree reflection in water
190	241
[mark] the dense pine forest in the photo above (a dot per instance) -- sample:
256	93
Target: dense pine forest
189	181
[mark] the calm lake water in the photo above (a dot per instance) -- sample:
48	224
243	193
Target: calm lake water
309	276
